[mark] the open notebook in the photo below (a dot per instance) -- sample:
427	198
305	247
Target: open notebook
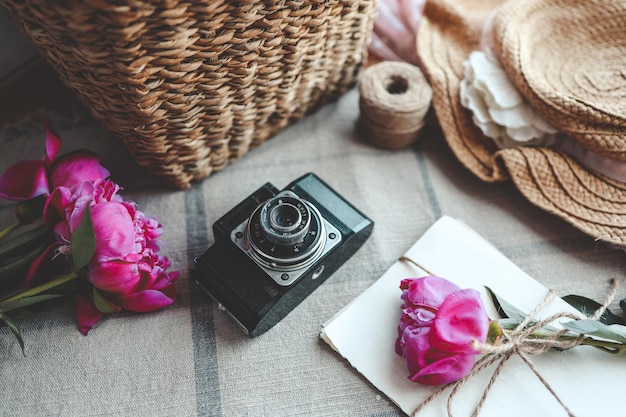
590	382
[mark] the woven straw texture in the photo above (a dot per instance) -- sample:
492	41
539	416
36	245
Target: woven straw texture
568	58
190	86
549	179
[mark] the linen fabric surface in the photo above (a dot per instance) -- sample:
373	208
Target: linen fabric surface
190	359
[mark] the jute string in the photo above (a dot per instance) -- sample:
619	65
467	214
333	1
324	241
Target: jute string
519	342
394	99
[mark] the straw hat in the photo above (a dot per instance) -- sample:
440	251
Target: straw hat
567	58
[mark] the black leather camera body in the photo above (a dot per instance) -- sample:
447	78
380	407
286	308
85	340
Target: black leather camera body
276	247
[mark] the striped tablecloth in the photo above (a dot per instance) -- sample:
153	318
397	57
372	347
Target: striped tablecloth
190	359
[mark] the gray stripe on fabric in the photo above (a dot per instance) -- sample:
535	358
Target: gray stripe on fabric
208	400
428	184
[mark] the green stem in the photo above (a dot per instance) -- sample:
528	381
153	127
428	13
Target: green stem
589	341
602	344
41	288
10	229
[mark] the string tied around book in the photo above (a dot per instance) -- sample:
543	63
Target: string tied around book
519	342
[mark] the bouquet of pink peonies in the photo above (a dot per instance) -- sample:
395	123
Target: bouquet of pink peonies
90	245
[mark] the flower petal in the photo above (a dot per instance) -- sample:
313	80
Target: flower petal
46	266
87	314
114	230
446	370
54	209
115	276
491	76
461	319
473	100
512	117
414	344
23	181
427	291
53	144
76	167
497	107
524	134
148	300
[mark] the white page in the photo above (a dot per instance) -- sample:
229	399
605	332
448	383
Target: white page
590	382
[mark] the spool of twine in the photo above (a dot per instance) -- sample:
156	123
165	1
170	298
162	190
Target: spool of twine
394	98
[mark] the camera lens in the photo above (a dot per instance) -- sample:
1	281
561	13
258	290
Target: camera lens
285	233
285	220
285	217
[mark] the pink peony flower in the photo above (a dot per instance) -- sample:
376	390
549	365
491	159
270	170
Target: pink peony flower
75	168
64	208
28	179
438	325
125	270
112	259
155	288
125	267
135	283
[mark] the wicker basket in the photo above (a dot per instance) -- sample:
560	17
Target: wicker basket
192	85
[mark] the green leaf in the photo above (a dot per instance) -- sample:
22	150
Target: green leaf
14	329
102	304
24	302
614	332
588	307
24	242
505	309
30	211
83	241
509	324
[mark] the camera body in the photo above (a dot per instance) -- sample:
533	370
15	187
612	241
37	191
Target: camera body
276	247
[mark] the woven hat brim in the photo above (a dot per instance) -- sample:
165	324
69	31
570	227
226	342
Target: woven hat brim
447	34
594	204
568	59
556	183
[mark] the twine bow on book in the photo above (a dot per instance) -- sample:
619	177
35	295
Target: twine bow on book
523	341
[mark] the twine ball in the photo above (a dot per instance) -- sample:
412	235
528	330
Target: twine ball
394	98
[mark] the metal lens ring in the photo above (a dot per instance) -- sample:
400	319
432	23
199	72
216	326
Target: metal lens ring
285	233
285	220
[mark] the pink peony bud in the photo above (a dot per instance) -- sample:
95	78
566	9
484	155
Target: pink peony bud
28	179
438	326
77	167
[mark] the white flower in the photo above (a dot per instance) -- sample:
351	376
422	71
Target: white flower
497	108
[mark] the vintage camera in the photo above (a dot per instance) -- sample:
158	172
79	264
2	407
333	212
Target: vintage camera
277	246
